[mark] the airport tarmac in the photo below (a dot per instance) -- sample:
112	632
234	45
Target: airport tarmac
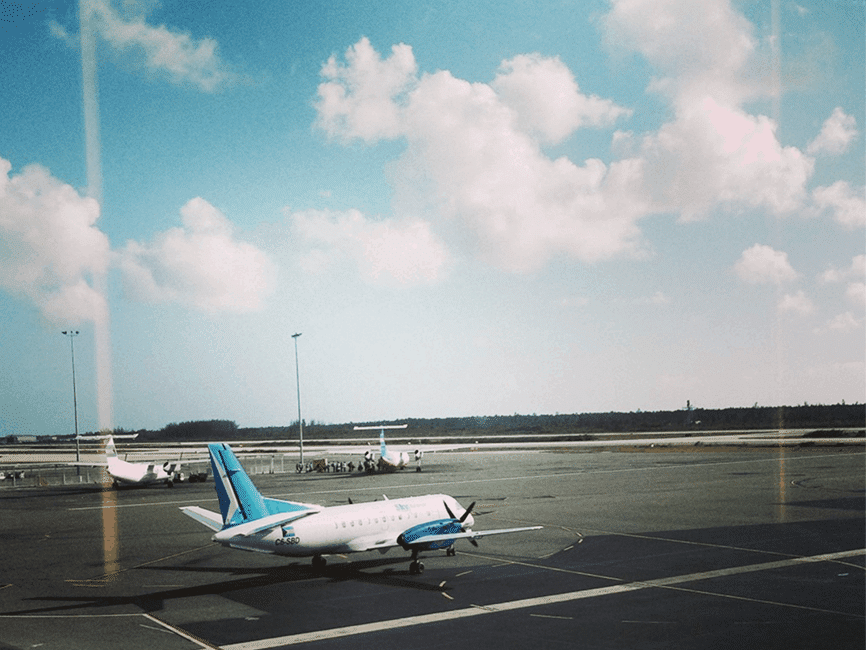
670	547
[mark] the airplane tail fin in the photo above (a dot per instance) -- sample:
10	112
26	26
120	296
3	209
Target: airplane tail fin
110	449
239	499
383	450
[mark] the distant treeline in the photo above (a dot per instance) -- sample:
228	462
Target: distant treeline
826	417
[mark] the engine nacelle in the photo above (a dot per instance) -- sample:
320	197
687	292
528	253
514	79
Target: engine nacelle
439	527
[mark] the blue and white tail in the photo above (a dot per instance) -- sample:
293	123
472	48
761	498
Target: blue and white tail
383	450
110	449
240	501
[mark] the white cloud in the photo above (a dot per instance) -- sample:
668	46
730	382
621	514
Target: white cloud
474	158
856	271
713	152
658	298
796	303
176	54
546	98
385	251
51	251
360	99
716	154
762	265
854	278
856	293
844	322
701	53
848	208
200	264
837	133
475	166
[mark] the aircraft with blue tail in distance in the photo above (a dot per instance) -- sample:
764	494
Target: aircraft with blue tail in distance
390	460
252	522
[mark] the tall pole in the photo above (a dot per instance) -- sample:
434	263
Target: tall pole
72	334
298	382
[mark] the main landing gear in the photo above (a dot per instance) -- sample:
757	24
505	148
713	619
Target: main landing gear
416	567
319	563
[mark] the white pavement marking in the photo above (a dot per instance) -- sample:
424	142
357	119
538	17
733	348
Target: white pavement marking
478	610
173	630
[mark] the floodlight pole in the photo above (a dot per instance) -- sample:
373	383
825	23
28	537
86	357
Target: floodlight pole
72	334
298	383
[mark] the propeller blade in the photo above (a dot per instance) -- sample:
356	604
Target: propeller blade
448	510
473	542
466	514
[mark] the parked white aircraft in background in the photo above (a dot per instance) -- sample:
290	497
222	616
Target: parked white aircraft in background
252	522
389	460
126	473
123	472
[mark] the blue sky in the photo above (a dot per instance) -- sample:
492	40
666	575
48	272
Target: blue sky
466	208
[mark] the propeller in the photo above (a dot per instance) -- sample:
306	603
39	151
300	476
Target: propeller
462	518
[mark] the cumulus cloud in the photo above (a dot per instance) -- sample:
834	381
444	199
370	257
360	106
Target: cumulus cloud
855	279
170	52
698	53
386	251
763	265
856	271
51	251
475	165
362	98
713	152
855	293
200	264
716	154
547	100
474	154
837	133
844	322
847	206
796	303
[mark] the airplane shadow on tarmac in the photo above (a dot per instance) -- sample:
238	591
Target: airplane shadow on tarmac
253	578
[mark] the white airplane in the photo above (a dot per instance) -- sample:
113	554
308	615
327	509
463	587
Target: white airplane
126	473
252	522
390	461
123	472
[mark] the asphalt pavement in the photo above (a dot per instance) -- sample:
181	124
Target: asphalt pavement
649	548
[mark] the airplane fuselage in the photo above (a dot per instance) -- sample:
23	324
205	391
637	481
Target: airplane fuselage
394	460
137	473
350	528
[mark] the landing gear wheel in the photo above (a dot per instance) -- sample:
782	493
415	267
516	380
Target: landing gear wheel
170	483
416	568
450	551
319	563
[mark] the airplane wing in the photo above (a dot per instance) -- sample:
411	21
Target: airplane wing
469	534
258	525
210	519
372	543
